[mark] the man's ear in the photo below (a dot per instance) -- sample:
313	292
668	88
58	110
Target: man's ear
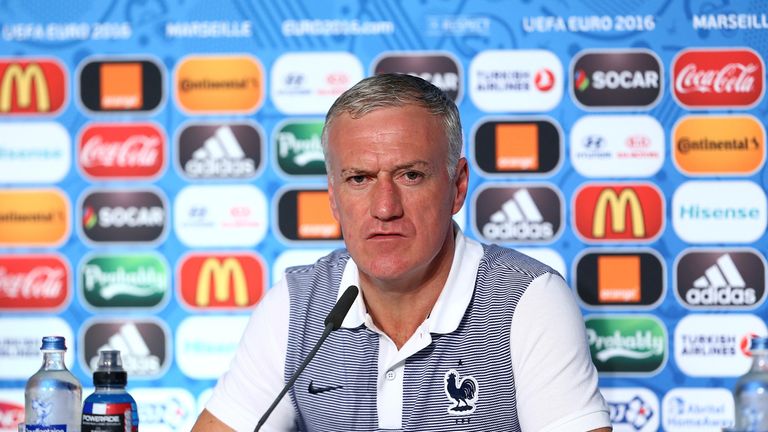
332	200
461	182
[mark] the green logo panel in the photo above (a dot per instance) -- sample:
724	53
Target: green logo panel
627	344
299	151
124	280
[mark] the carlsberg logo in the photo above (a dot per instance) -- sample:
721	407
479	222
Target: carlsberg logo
627	344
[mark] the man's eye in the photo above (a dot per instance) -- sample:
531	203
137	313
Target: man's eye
412	175
357	179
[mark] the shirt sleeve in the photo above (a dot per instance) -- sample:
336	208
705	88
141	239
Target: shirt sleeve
556	383
256	375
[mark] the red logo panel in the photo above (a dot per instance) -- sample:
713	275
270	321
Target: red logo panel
11	414
221	281
618	213
130	151
32	86
39	282
718	78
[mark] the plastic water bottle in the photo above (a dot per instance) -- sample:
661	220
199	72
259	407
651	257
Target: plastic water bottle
751	391
53	395
110	408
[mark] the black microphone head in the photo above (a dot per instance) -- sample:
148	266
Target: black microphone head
336	315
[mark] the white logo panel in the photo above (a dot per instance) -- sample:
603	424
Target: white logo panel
165	409
617	146
205	345
713	345
516	80
212	215
309	82
632	409
295	257
719	212
697	410
21	339
34	152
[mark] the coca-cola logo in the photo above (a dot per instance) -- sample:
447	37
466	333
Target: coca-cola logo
718	78
132	151
33	282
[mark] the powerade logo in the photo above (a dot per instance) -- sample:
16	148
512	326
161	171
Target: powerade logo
120	216
605	278
32	86
299	149
121	85
143	344
442	70
219	150
627	344
530	213
616	79
720	279
124	280
518	146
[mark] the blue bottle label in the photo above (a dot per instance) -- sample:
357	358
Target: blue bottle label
46	428
107	417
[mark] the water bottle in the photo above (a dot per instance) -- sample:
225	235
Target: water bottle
751	391
53	395
110	408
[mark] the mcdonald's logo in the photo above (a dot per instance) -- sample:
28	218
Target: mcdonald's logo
32	86
618	213
221	281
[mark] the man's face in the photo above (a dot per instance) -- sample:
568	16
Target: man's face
390	191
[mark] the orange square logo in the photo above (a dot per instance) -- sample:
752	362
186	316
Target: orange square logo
315	218
618	279
517	147
121	86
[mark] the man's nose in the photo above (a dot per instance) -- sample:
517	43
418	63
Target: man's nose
386	201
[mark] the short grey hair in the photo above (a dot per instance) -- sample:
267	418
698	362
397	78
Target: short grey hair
397	90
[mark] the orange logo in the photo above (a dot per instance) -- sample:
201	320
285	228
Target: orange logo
712	145
121	86
517	147
33	217
220	84
618	279
32	87
315	218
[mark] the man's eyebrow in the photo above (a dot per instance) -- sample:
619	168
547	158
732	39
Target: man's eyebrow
421	164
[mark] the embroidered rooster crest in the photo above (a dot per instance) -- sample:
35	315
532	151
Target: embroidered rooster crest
463	392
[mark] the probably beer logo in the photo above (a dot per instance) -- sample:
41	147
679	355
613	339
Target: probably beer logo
718	78
124	281
518	146
616	79
219	84
720	279
130	85
627	344
629	212
607	278
305	215
34	152
231	150
525	214
222	280
123	216
34	282
719	145
33	217
442	70
144	345
299	149
32	86
122	151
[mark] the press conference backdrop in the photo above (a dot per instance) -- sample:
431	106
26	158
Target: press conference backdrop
160	165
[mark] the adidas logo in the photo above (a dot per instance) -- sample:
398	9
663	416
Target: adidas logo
136	356
518	219
220	156
721	285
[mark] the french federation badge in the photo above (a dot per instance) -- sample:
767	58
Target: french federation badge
462	392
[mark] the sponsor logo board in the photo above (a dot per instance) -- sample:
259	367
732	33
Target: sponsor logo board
697	410
34	152
440	69
124	281
234	280
632	409
33	217
219	84
520	146
11	409
231	150
627	344
621	278
34	282
118	85
144	345
165	409
205	345
123	216
305	215
20	341
121	151
298	147
32	86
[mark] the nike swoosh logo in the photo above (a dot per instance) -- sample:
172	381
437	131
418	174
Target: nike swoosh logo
318	390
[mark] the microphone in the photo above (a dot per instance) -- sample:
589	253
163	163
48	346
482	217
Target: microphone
332	322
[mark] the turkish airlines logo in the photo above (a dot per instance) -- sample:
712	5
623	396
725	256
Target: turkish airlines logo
33	217
620	278
123	216
619	213
305	215
721	279
220	151
616	79
32	86
222	280
518	146
718	78
530	214
219	84
130	85
143	344
442	70
119	150
33	282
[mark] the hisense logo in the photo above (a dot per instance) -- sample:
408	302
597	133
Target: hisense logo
639	345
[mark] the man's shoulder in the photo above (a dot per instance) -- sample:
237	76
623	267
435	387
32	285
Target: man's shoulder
500	258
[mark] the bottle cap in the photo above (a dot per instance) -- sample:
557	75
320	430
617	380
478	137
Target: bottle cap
53	343
109	371
759	343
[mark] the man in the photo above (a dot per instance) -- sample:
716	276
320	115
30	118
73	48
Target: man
447	334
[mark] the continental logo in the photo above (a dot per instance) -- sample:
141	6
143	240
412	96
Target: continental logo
442	70
518	146
32	86
299	151
221	280
305	215
619	213
121	85
219	84
33	217
620	278
33	282
719	145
